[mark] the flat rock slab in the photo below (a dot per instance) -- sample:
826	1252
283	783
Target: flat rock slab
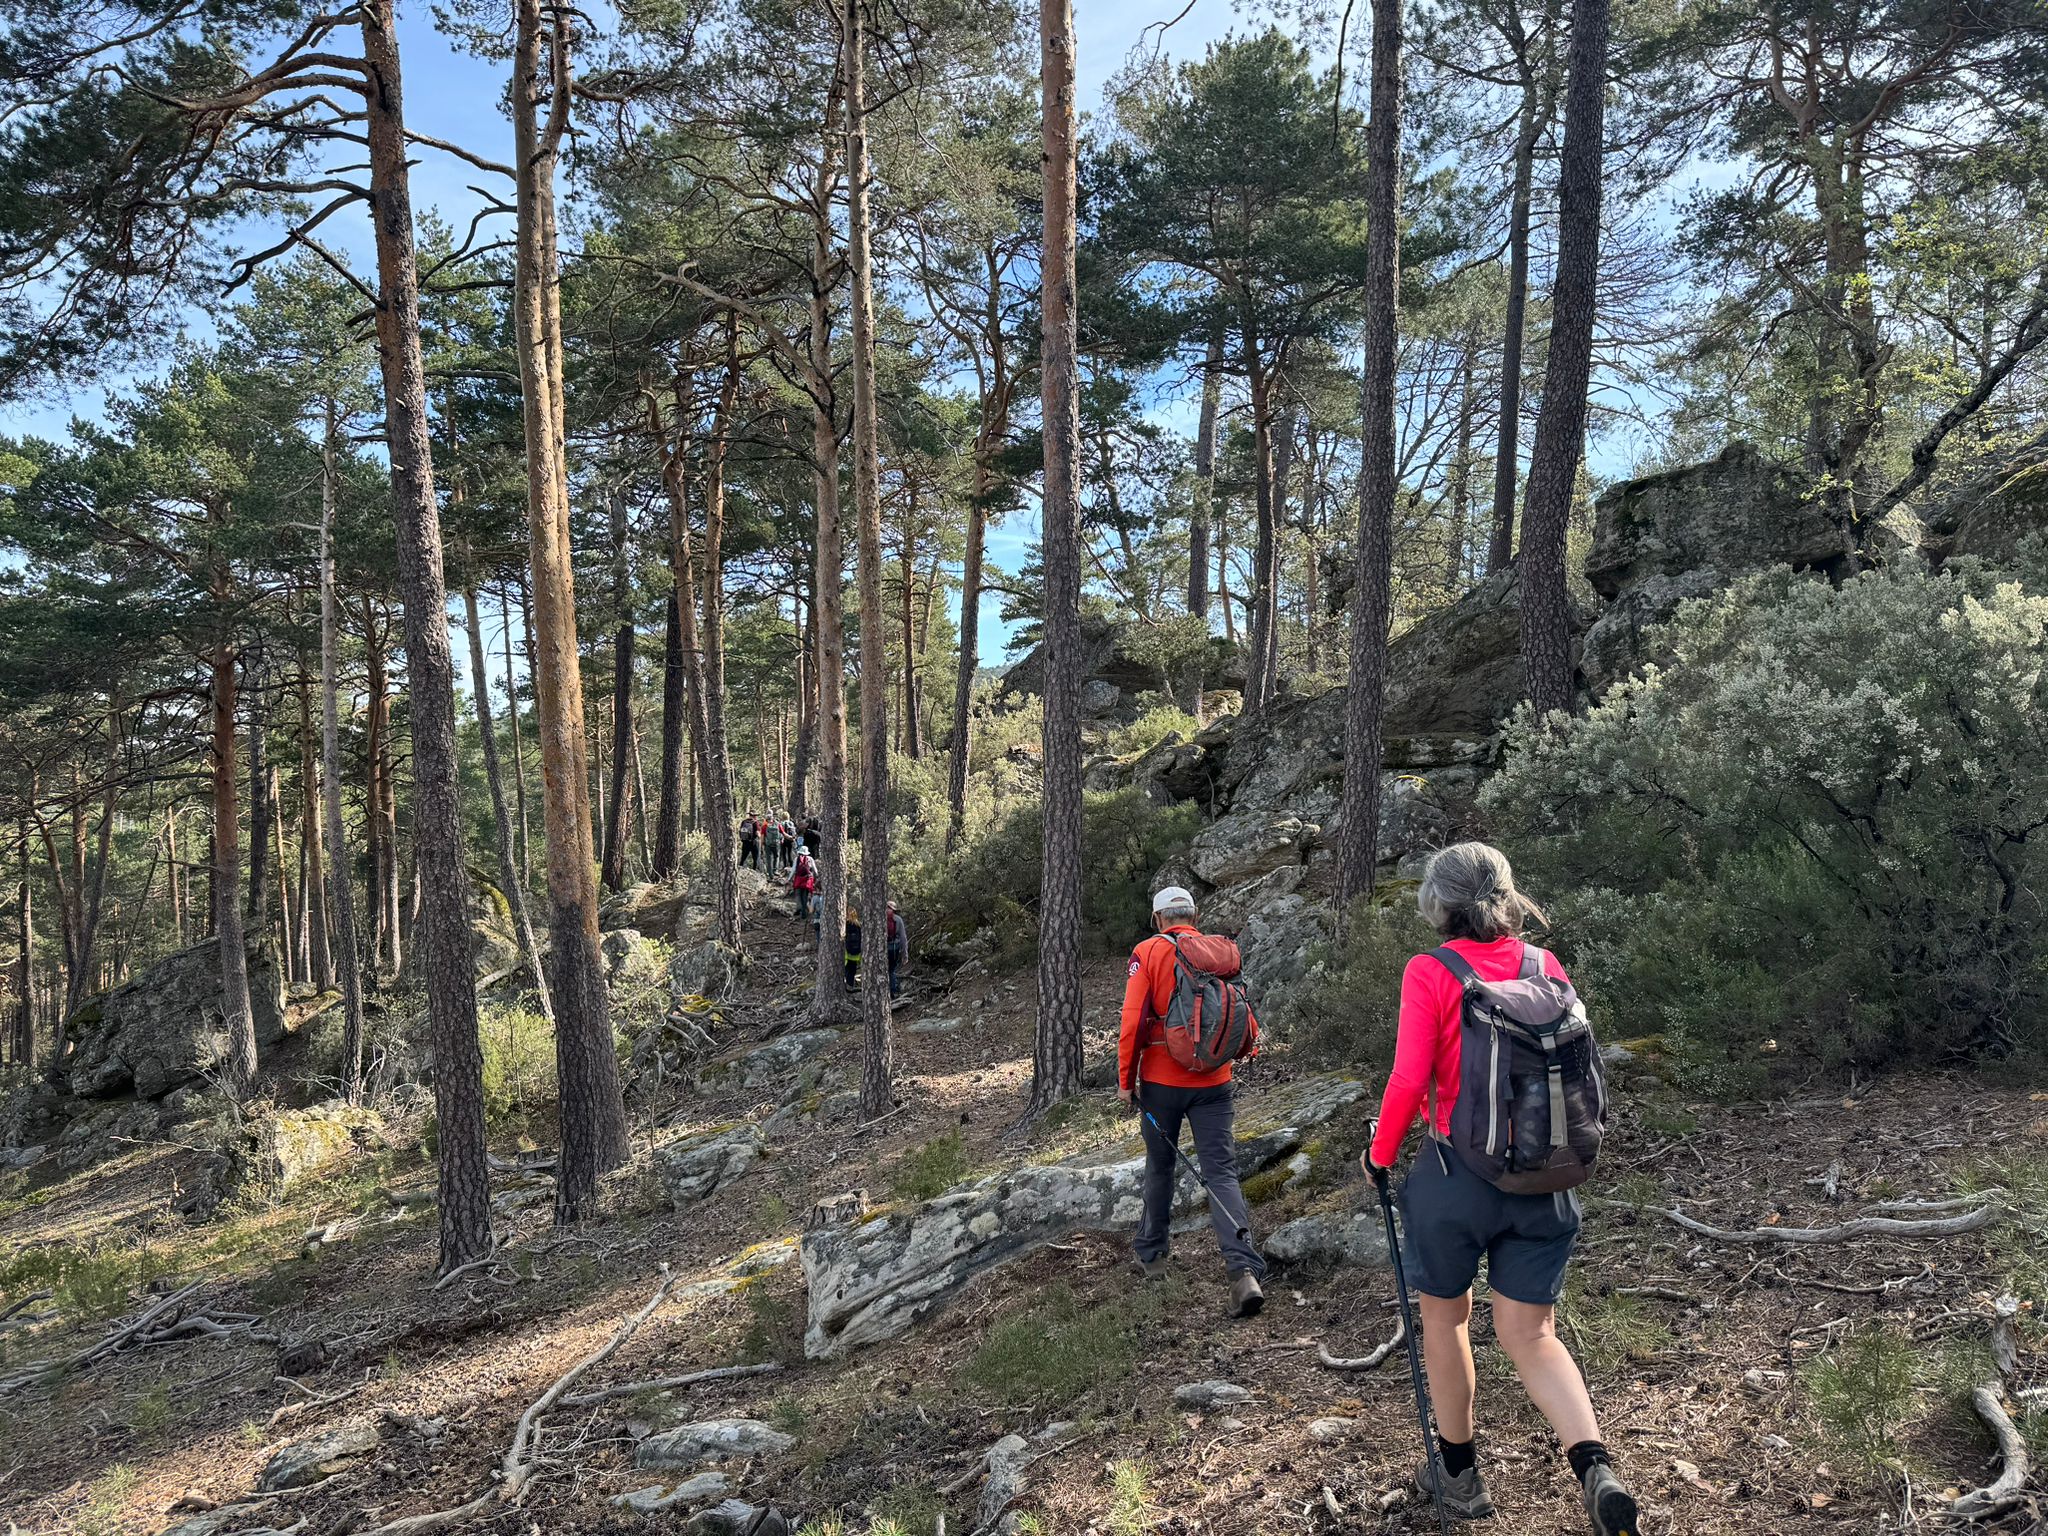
316	1458
1337	1239
773	1064
689	1446
874	1279
934	1026
701	1489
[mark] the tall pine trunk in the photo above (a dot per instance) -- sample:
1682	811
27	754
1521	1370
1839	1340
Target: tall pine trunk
716	761
25	948
1561	429
1371	596
614	860
828	987
1205	483
1258	680
260	808
512	711
878	1055
1056	1052
313	903
501	818
593	1113
1500	547
446	949
227	878
668	827
348	955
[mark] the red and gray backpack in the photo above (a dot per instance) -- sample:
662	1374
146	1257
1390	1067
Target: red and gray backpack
1531	1111
1208	1023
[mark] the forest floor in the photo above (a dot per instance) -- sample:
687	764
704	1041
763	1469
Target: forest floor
1701	1352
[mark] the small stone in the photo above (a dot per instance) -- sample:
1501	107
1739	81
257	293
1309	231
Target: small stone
934	1026
1204	1396
1329	1430
691	1445
700	1489
316	1458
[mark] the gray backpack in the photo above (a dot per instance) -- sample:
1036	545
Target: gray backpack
1532	1107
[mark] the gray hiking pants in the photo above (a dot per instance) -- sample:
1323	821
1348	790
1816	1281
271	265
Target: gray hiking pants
1210	1112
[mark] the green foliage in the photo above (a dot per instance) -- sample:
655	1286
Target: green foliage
519	1064
1131	1510
1608	1331
105	1501
1861	1391
773	1329
150	1413
929	1171
1062	1346
1160	720
907	1511
1810	828
85	1282
991	878
1344	1012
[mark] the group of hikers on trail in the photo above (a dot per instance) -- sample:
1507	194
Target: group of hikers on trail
1494	1058
773	843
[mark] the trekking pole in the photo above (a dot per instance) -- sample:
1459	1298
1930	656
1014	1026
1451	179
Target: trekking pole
1423	1413
1244	1232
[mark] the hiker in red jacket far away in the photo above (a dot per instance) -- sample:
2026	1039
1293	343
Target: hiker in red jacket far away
1178	957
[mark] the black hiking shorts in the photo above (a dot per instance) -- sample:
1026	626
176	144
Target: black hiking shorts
1451	1219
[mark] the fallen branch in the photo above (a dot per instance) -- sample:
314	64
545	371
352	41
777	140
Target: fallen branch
1931	1207
306	1404
1996	1498
23	1305
668	1383
517	1467
1365	1362
1883	1288
488	1261
1862	1226
132	1330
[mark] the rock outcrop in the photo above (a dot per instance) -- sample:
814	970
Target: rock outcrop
1114	677
689	1446
874	1279
692	1168
163	1028
316	1458
1335	1238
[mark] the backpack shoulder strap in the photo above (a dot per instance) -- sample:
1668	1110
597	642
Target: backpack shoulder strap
1457	965
1533	956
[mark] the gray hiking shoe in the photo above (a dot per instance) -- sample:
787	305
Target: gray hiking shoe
1465	1496
1609	1505
1247	1297
1150	1269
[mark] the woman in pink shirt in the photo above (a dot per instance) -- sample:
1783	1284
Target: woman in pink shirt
1451	1218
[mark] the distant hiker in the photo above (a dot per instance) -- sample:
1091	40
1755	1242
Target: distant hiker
790	843
814	836
852	949
749	851
1473	1192
804	881
899	951
1151	1073
771	844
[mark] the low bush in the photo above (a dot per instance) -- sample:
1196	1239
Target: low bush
519	1064
1811	836
929	1171
1862	1393
1061	1347
1344	1012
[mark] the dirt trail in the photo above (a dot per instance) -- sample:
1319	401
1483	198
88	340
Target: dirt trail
1696	1348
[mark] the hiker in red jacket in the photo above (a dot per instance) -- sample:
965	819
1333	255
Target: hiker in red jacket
804	881
1451	1218
1149	1078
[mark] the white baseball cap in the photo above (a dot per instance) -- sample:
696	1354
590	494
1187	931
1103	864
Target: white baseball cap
1171	896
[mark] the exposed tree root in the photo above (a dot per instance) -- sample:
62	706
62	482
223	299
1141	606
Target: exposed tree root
1862	1226
1364	1362
667	1383
1996	1498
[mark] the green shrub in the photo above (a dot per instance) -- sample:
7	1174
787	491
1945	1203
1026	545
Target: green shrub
1862	1393
1344	1011
85	1282
1810	828
519	1064
1131	1510
1060	1348
1161	719
930	1170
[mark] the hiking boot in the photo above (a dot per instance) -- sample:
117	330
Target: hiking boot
1150	1269
1609	1505
1247	1299
1465	1496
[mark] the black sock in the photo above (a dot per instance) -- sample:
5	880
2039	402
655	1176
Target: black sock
1587	1455
1459	1456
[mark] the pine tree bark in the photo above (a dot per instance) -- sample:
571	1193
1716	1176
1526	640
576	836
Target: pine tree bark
348	955
381	820
512	710
447	953
593	1114
260	810
236	1013
1561	429
806	708
313	905
828	986
613	866
1056	1050
668	828
1258	682
1371	599
878	1055
716	764
25	947
180	922
501	818
1205	485
683	567
1506	457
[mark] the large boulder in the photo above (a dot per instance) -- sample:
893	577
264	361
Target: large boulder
773	1064
1112	678
282	1152
1246	845
693	1167
164	1027
1994	515
1687	533
689	1446
652	906
1334	1238
874	1279
316	1458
